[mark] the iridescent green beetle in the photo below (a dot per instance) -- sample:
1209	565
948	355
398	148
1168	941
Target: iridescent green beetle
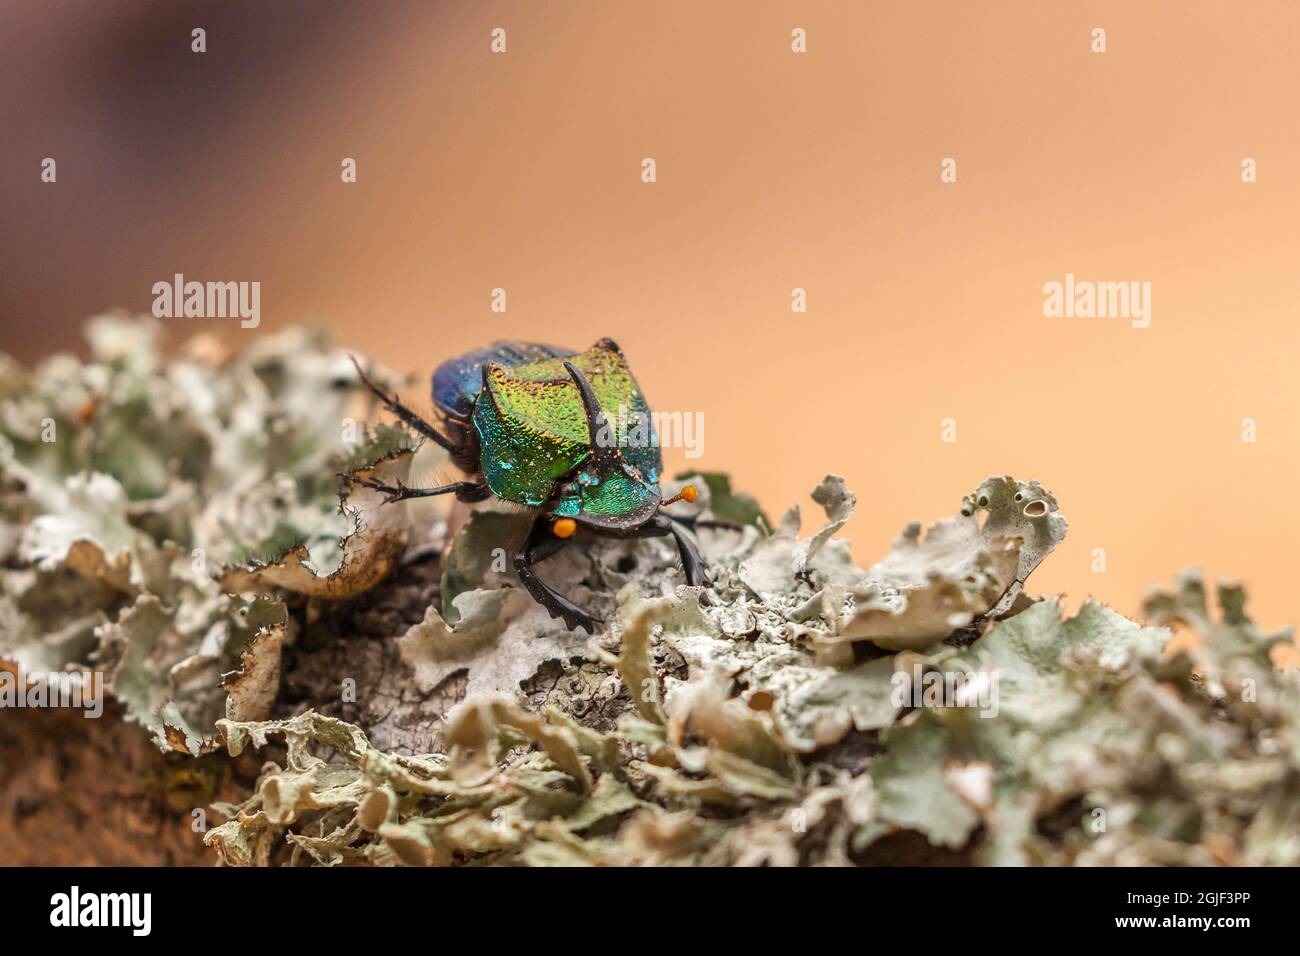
531	424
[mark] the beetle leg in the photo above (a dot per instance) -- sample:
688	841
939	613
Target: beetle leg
394	404
473	492
464	490
692	562
538	546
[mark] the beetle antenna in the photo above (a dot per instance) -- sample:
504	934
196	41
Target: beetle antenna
686	494
604	446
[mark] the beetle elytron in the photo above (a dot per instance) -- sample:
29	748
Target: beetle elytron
528	424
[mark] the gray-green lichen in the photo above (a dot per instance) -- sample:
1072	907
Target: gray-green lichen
177	523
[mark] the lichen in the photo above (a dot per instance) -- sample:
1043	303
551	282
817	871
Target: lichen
177	522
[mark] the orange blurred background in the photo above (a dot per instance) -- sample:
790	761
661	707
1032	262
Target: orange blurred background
775	170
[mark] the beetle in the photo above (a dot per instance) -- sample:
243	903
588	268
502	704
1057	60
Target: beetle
529	423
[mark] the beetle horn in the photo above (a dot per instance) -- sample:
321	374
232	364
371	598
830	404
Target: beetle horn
604	445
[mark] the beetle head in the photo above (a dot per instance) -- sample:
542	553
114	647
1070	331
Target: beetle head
608	493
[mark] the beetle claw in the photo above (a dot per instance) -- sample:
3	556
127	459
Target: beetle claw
575	618
391	493
558	606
